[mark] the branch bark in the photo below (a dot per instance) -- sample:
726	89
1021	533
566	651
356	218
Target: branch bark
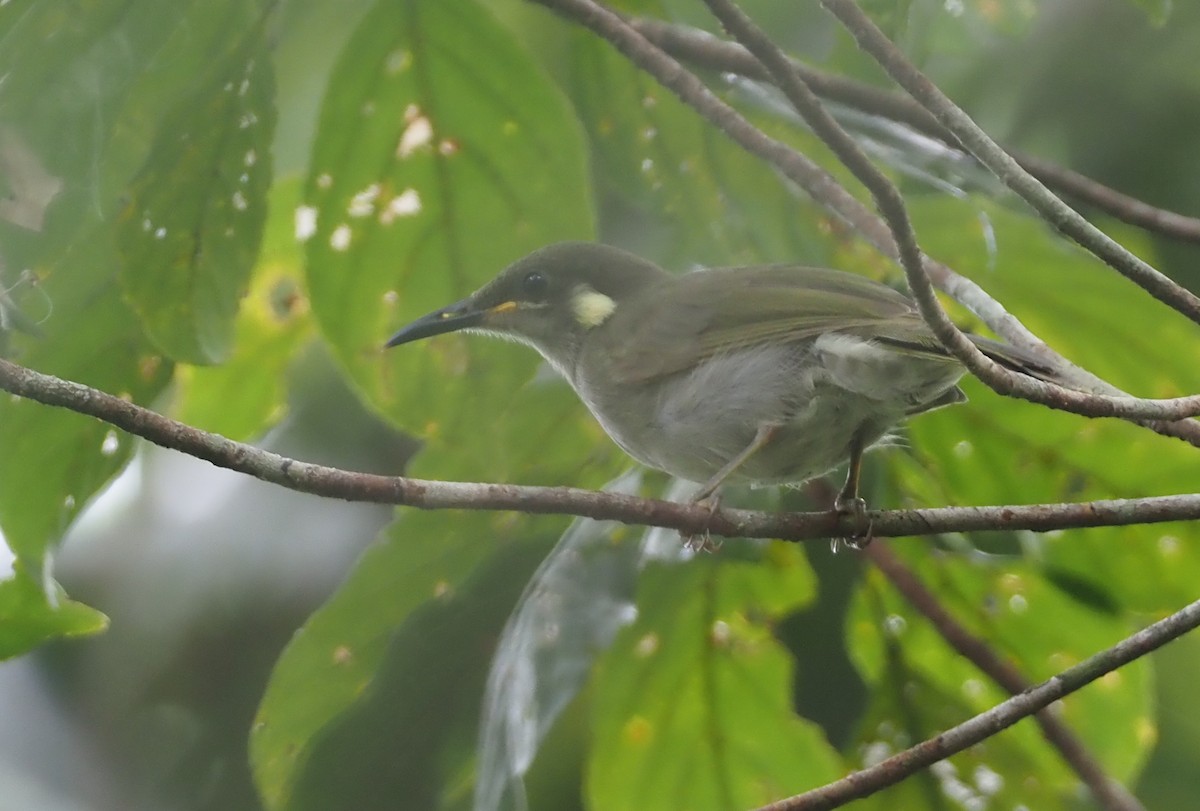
1109	793
698	47
689	519
900	766
1003	166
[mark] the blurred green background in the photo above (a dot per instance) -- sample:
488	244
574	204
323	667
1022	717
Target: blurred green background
221	209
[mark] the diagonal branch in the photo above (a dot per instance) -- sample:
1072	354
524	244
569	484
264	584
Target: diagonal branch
699	47
811	177
688	519
898	767
1002	165
891	205
1124	207
1110	794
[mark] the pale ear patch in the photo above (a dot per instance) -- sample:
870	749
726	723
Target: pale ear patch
591	307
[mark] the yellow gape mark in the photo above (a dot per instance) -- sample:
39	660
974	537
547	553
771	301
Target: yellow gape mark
591	308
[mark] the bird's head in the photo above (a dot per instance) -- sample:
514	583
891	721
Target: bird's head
550	299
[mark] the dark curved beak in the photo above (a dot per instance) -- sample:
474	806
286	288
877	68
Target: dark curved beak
459	315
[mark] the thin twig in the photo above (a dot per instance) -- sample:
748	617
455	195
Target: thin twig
891	205
981	727
810	176
1109	793
900	766
701	48
1124	207
1002	165
692	519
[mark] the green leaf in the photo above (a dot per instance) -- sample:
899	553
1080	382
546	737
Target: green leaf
69	152
692	704
1006	770
185	54
89	89
246	394
576	602
190	232
421	558
444	153
413	734
1169	780
29	616
42	36
54	460
683	190
996	450
1027	620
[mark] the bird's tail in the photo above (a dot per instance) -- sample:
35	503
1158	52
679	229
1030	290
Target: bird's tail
1015	359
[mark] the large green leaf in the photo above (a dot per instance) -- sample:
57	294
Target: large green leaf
54	460
190	231
1027	620
419	560
996	450
692	704
574	605
683	191
411	737
90	90
243	396
422	558
443	154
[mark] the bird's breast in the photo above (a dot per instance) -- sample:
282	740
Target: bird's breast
692	422
819	393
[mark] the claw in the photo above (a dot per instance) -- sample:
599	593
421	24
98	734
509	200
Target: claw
855	507
703	541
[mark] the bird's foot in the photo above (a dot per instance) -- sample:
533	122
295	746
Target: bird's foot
703	541
853	507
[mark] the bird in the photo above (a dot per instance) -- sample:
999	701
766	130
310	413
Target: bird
761	375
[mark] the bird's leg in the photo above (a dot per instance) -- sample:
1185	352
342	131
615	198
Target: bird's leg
848	502
708	494
702	541
766	432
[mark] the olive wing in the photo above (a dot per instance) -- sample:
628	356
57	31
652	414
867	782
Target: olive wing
709	312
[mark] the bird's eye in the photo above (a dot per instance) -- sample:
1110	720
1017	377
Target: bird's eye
534	286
